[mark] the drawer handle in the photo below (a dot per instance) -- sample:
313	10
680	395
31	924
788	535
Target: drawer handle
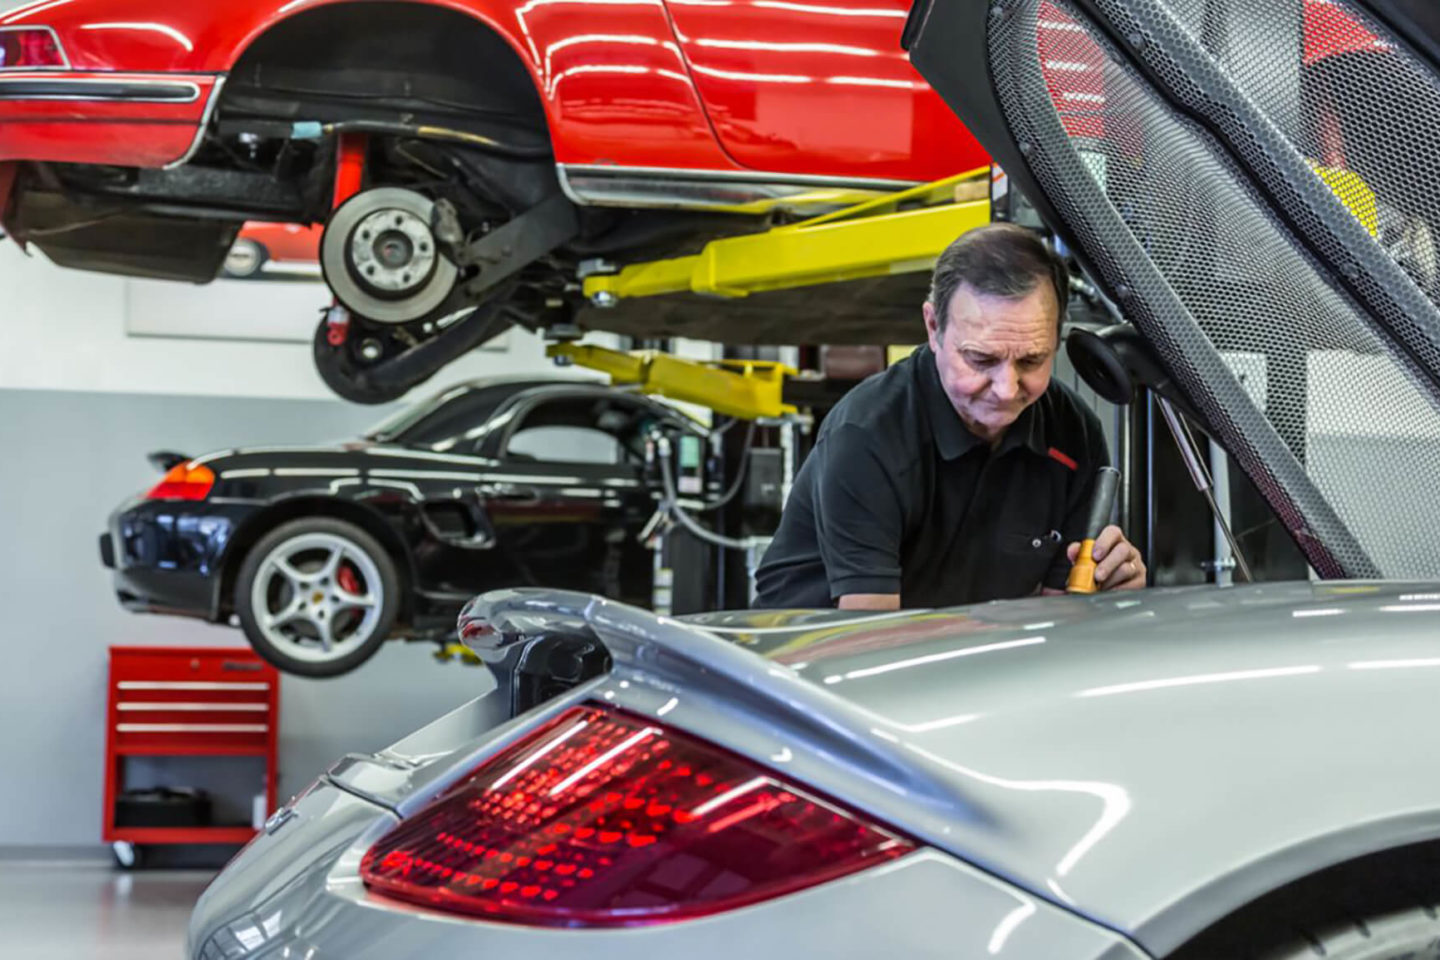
187	685
191	727
194	707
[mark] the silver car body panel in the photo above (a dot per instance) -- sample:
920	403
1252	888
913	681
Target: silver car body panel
1148	762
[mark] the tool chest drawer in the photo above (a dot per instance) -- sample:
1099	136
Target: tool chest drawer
190	701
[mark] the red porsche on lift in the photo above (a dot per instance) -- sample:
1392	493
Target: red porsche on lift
471	158
290	245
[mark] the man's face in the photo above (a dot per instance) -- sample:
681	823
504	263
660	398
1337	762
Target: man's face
995	355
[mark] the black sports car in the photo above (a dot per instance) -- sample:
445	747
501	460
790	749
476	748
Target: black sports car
323	552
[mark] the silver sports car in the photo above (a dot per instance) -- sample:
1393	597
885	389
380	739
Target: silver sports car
1188	773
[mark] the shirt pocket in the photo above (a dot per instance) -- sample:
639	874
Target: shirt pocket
1023	561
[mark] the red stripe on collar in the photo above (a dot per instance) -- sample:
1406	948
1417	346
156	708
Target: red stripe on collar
1059	457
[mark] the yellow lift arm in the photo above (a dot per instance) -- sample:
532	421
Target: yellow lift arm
748	389
897	233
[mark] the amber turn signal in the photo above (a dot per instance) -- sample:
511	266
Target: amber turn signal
185	481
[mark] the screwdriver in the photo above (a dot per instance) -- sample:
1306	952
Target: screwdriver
1082	574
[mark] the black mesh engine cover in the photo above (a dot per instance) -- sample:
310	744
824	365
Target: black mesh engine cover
1254	182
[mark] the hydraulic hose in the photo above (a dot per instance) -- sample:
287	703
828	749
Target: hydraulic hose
672	505
314	130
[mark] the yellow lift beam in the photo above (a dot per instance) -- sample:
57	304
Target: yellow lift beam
898	233
748	389
901	232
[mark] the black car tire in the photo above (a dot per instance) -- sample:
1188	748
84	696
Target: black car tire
245	260
368	552
1412	933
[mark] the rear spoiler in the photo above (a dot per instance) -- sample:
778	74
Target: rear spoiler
164	460
524	635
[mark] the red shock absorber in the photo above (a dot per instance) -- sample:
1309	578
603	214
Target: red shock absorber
349	166
350	151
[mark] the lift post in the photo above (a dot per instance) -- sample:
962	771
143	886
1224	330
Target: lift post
898	233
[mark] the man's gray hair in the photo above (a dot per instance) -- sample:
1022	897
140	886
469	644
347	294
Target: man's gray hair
997	260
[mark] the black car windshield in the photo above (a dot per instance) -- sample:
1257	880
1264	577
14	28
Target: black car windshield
447	417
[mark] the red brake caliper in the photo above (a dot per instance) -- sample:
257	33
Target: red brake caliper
347	579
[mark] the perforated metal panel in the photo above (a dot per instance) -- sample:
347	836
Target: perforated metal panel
1274	237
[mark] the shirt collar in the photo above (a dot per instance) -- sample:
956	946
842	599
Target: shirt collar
952	438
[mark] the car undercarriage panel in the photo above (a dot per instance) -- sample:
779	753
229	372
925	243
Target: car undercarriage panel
113	238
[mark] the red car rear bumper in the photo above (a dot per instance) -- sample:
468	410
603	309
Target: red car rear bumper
122	119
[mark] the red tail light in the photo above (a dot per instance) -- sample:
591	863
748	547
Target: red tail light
185	481
605	819
30	48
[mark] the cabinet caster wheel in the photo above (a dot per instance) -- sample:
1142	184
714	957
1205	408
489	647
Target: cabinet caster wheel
127	855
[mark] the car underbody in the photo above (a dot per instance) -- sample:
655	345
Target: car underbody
462	153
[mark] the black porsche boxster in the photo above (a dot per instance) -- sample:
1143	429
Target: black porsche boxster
322	553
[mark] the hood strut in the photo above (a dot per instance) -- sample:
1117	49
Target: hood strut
1190	453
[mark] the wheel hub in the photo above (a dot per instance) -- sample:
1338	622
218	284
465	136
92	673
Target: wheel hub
393	252
380	256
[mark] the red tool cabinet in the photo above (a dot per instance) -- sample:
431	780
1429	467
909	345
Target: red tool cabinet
188	701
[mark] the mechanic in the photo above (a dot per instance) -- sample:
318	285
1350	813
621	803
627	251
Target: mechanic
958	474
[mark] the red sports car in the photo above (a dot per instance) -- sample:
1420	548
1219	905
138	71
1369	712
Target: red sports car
471	158
281	243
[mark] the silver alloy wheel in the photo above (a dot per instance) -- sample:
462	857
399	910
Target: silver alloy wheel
244	259
303	608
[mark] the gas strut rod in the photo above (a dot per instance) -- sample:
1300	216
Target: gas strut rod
1190	453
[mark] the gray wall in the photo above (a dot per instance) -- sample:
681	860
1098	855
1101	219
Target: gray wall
66	460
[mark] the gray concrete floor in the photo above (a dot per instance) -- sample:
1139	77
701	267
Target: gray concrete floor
84	911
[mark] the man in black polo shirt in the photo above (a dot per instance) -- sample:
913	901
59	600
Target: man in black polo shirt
961	473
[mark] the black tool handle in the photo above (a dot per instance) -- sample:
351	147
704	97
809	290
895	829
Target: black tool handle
1102	502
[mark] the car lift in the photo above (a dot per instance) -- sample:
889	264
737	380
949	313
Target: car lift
898	233
901	232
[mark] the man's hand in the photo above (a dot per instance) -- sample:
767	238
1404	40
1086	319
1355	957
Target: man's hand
870	601
1117	563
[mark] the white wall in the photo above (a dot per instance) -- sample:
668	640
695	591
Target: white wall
66	330
80	404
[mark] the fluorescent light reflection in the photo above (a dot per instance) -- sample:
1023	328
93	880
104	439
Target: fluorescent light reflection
936	658
1395	664
1008	924
522	767
751	77
1198	680
940	724
161	28
831	11
749	786
1324	612
1114	802
603	759
776	47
